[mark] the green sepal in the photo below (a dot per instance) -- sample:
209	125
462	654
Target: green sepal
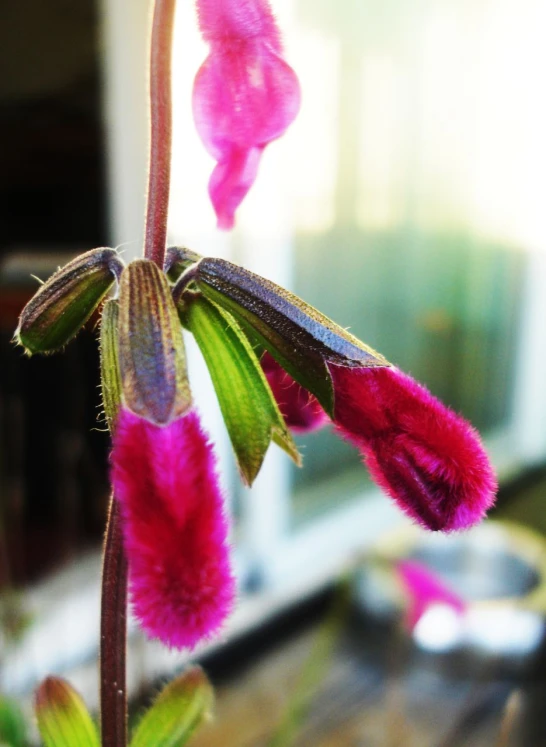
300	338
251	414
152	358
110	377
63	719
13	730
179	709
63	304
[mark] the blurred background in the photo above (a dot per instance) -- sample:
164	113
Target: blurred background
407	202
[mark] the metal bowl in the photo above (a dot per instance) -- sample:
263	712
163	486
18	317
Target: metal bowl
498	569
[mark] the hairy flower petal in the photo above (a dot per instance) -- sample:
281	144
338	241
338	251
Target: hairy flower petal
175	531
427	458
237	19
244	95
425	588
300	409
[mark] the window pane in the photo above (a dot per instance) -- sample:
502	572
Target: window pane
414	197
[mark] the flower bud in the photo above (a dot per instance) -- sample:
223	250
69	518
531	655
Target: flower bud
63	719
175	529
425	456
151	349
244	97
63	304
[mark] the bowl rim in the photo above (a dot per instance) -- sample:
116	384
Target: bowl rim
519	540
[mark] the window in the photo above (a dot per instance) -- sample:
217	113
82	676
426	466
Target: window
407	201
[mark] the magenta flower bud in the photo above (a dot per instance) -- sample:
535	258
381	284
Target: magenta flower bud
299	408
427	458
245	95
425	589
174	527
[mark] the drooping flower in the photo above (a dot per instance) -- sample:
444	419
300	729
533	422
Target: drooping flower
425	589
175	530
300	409
245	95
427	458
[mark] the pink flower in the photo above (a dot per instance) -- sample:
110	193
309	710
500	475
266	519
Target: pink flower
175	530
300	409
244	95
424	589
427	458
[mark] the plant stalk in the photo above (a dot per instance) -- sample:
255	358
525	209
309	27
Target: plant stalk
113	642
159	169
113	634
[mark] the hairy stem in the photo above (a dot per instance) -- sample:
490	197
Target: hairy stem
113	634
155	235
113	642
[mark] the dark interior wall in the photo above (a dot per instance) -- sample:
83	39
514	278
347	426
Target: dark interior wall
51	162
53	481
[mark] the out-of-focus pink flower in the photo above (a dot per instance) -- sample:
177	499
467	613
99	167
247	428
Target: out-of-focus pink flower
244	96
300	409
427	458
175	530
424	589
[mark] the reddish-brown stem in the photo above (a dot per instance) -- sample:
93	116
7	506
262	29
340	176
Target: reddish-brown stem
113	642
113	634
155	235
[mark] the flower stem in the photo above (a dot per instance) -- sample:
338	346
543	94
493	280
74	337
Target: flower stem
113	634
155	235
113	642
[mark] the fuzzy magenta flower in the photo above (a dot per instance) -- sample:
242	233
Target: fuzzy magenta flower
175	530
300	409
245	95
427	458
425	589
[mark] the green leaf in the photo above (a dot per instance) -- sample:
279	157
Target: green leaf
12	724
63	304
109	361
300	338
181	707
151	349
63	719
249	408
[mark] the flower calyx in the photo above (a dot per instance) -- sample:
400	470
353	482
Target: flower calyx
300	338
64	303
109	361
152	361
